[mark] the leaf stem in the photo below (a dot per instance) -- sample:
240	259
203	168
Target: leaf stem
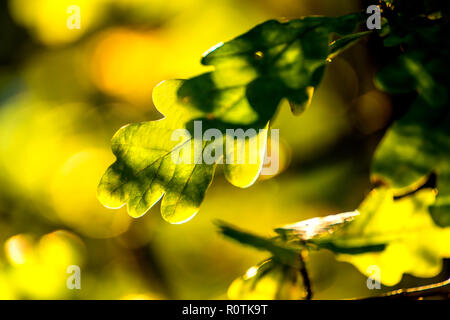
305	276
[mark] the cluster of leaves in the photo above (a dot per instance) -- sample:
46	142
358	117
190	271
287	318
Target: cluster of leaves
252	74
284	274
417	144
401	227
397	235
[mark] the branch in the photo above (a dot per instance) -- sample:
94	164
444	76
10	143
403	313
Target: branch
431	290
305	276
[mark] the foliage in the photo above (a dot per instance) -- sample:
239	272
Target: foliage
252	74
403	224
398	236
417	144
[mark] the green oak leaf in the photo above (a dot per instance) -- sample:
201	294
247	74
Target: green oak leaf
418	144
416	72
402	229
280	251
415	146
340	45
252	73
147	165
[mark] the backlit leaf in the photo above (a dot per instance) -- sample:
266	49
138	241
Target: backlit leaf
280	251
408	240
252	73
145	169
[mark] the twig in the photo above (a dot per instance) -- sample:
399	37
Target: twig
418	292
305	276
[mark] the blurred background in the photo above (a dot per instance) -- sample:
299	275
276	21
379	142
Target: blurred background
63	94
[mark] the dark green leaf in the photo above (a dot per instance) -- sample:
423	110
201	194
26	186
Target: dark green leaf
252	74
280	251
342	44
255	71
415	146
